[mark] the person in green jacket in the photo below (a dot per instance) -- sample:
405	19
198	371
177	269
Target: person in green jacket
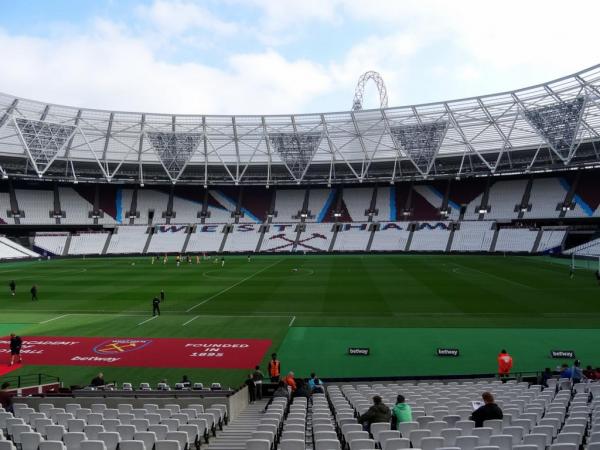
401	412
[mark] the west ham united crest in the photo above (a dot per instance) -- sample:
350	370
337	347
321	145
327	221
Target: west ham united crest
120	346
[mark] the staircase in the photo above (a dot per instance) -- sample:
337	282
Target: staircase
239	430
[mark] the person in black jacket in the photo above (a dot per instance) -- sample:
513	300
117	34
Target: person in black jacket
302	389
33	292
155	306
15	348
488	411
13	287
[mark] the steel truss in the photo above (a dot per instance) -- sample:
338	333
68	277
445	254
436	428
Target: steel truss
549	126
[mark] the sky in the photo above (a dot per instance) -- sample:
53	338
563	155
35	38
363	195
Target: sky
284	56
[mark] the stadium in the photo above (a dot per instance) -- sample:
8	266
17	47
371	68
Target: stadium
387	250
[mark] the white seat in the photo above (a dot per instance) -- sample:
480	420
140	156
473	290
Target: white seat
193	433
564	447
148	437
546	430
415	437
292	444
73	440
387	434
54	432
297	435
593	446
503	441
132	445
7	445
524	447
111	424
52	445
495	424
378	427
396	444
431	443
126	432
124	408
450	435
484	434
160	431
98	407
180	436
486	447
94	419
15	431
75	425
360	444
467	442
91	431
327	444
167	445
539	440
258	444
516	433
110	438
93	445
140	424
30	440
568	438
467	427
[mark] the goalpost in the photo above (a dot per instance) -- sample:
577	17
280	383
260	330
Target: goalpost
585	262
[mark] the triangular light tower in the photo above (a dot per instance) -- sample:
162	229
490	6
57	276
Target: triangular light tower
421	142
296	149
558	124
43	140
174	150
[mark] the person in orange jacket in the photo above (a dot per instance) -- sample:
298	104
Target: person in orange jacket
274	368
505	363
290	381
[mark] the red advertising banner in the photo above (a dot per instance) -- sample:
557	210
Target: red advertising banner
139	352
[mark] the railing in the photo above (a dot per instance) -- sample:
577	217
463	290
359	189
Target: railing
20	381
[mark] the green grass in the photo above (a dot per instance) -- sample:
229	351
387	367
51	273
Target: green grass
406	303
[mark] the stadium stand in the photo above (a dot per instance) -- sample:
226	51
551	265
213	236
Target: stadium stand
316	237
128	239
279	238
187	204
88	243
591	248
5	208
168	239
473	236
546	198
151	202
243	238
12	250
352	237
382	204
560	417
504	196
430	240
221	206
515	240
50	243
36	205
391	236
288	202
76	208
551	240
319	201
357	202
205	238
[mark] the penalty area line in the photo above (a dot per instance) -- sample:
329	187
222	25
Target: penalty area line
292	321
232	286
147	320
54	318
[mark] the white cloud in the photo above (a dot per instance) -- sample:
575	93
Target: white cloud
109	69
175	18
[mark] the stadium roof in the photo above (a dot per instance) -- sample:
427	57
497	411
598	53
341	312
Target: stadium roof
549	126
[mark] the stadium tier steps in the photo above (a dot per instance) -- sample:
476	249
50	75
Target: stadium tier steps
73	427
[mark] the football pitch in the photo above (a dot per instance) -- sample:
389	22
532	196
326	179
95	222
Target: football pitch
312	308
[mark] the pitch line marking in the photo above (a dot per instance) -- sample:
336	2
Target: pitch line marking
55	318
147	320
191	320
232	286
292	321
